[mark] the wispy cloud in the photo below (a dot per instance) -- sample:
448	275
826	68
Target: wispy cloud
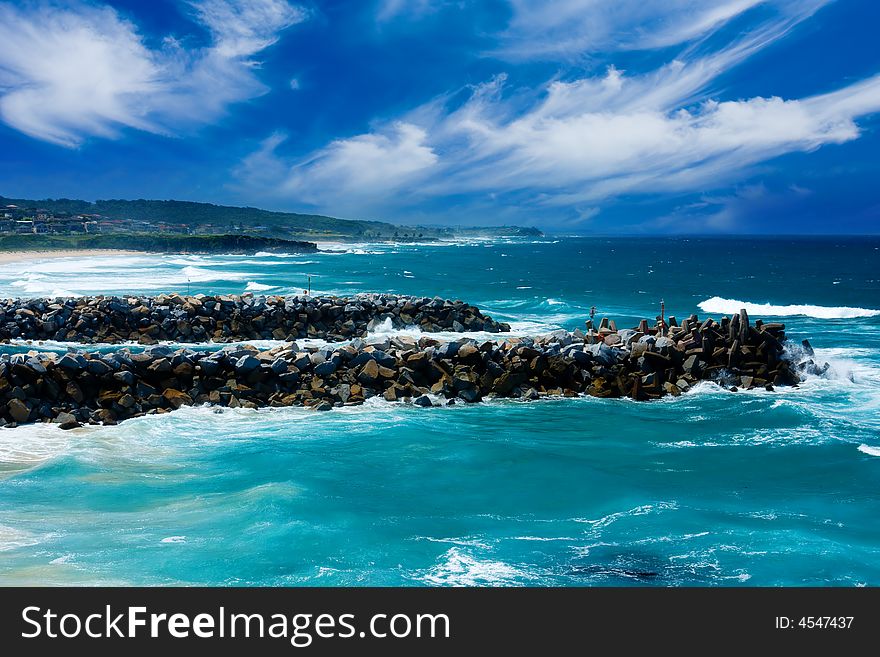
583	149
69	71
578	143
354	167
242	28
540	28
387	10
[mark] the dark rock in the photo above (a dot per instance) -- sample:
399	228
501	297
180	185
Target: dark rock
71	362
246	364
470	395
326	368
126	377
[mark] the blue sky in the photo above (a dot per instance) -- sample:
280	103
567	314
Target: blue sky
633	116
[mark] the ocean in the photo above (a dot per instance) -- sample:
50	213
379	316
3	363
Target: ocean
713	488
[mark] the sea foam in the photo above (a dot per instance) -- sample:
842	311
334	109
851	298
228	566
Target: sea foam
730	306
253	286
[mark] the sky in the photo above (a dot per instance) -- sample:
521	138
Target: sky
576	116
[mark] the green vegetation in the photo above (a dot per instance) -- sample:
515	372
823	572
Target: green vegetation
204	218
154	243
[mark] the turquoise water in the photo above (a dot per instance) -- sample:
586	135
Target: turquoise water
712	488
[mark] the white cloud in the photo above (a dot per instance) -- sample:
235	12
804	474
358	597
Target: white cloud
580	152
245	27
72	71
575	28
364	166
576	144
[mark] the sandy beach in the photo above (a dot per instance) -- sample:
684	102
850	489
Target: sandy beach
19	256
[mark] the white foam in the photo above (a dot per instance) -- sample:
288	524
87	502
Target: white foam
58	346
11	538
200	275
174	539
517	329
458	568
253	286
869	450
462	541
30	445
72	277
731	306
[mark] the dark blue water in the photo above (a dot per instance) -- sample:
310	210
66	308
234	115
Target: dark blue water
712	488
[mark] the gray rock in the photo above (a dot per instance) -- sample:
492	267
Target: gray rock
692	365
66	421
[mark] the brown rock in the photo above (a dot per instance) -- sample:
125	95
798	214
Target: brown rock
75	392
386	372
369	373
18	410
177	398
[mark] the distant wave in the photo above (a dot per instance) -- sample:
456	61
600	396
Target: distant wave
730	306
201	275
870	451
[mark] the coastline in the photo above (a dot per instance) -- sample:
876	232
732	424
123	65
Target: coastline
19	256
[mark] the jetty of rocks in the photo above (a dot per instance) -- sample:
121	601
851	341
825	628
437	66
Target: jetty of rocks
642	363
230	318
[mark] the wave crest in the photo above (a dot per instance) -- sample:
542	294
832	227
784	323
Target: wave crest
730	306
253	286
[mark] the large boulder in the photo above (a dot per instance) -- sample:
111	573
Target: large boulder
18	410
177	398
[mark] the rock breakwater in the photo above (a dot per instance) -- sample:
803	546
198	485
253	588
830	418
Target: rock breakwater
230	318
642	363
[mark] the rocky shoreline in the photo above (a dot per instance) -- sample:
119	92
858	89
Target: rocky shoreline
643	363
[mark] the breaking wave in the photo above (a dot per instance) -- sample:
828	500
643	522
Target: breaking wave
730	306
